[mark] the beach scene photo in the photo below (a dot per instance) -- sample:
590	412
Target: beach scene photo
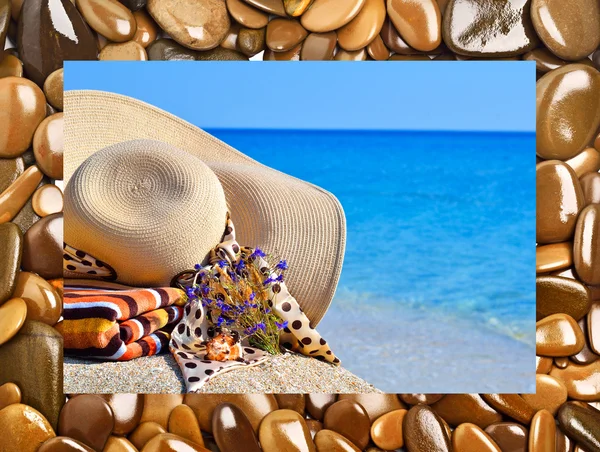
428	202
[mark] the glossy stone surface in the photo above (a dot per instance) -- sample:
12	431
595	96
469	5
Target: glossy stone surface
386	431
9	394
22	108
556	256
415	399
361	30
555	295
197	25
460	408
326	440
87	418
593	327
167	442
10	256
42	247
319	46
134	5
12	318
146	29
354	55
43	303
144	432
158	408
23	429
509	436
295	402
290	55
270	6
5	12
419	23
582	381
493	29
570	33
127	411
424	430
586	246
586	355
50	32
18	193
251	41
581	424
47	200
559	200
167	49
26	217
543	364
10	66
232	430
558	335
317	404
296	8
221	54
109	18
393	41
53	88
48	146
126	51
586	161
377	49
329	15
284	430
511	405
38	371
64	444
119	444
247	15
349	419
375	404
542	433
10	169
590	185
254	406
470	438
568	111
183	423
284	34
550	394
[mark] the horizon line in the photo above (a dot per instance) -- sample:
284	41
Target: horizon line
464	131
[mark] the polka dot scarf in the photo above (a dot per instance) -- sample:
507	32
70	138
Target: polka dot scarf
187	339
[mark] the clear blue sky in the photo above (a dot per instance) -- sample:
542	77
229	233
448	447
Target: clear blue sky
498	96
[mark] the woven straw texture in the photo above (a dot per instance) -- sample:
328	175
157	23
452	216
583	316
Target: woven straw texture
282	215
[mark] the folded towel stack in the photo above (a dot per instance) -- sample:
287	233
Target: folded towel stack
115	322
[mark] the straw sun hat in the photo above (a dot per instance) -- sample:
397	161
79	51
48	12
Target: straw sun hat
147	196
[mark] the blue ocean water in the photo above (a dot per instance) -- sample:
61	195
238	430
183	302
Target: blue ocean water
445	220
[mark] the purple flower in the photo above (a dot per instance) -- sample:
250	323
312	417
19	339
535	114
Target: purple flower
252	296
197	267
222	263
268	281
280	278
262	326
258	253
204	289
282	265
281	325
267	311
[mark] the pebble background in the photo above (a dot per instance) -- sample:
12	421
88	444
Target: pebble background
563	41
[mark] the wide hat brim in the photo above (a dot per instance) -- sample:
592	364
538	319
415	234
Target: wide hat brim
280	214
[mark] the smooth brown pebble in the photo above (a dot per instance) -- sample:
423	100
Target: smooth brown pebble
581	424
10	256
471	438
119	444
158	408
361	30
43	303
314	427
109	18
42	247
561	362
354	55
251	41
556	256
511	405
24	107
87	418
570	33
425	430
556	295
590	185
285	430
317	404
419	23
348	418
167	442
144	433
269	6
9	394
10	66
247	15
542	433
558	335
393	41
23	429
146	29
183	422
386	431
586	245
318	46
329	15
593	327
559	200
64	444
568	111
47	199
543	364
284	34
296	402
550	394
457	409
377	49
12	317
127	411
582	381
415	399
586	161
329	441
586	355
232	430
48	146
375	404
53	88
126	51
197	25
509	436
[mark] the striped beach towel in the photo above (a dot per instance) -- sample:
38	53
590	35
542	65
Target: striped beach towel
115	322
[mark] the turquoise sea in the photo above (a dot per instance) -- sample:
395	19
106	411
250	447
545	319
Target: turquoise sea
447	222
